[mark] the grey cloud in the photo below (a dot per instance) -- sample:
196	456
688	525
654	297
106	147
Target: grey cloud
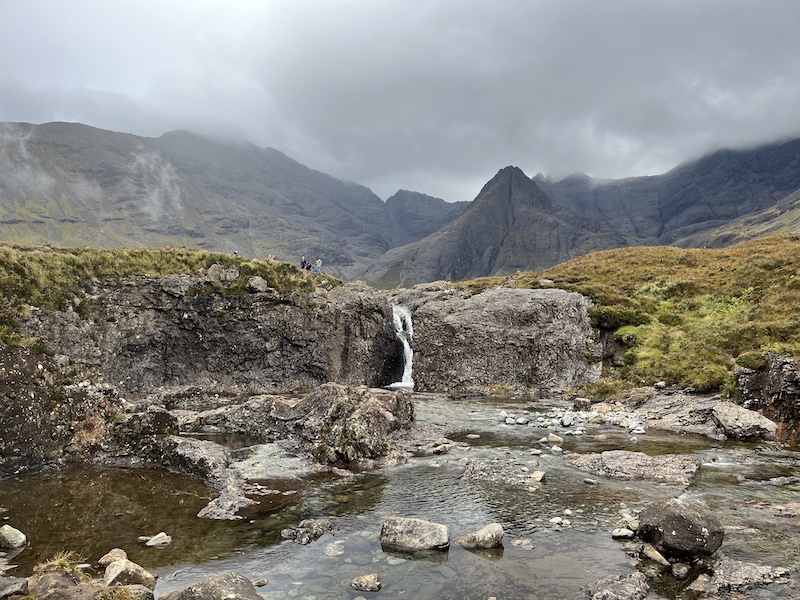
434	96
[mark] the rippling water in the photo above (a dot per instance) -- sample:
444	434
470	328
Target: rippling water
753	489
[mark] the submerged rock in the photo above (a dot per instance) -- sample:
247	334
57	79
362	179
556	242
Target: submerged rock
308	530
622	464
367	583
620	587
680	528
489	536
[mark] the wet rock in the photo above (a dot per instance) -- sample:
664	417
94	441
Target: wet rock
622	464
10	586
308	530
650	552
111	556
619	587
680	528
159	540
408	534
622	533
733	575
226	586
11	537
126	572
489	536
552	438
743	424
210	462
680	570
367	583
345	423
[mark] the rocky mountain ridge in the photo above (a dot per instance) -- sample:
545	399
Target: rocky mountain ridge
68	185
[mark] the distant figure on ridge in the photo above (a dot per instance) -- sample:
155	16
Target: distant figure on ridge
318	267
303	263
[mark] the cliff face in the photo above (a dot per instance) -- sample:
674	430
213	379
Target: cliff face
148	333
501	340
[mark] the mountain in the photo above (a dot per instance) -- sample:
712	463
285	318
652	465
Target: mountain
419	215
678	207
521	224
512	225
68	184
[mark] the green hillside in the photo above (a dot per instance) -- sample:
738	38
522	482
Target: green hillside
686	316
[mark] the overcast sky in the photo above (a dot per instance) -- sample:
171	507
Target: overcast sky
429	95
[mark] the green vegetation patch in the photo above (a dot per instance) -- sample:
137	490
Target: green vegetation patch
687	316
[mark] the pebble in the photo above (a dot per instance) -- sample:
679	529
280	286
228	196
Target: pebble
622	533
556	450
473	436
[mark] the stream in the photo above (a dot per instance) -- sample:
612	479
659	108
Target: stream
752	488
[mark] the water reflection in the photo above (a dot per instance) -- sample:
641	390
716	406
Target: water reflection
753	490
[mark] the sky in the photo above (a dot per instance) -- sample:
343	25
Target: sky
433	96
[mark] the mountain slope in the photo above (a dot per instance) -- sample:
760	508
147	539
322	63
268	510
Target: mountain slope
677	207
68	184
512	225
419	215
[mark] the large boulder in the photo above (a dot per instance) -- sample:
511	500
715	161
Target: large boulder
226	586
680	528
520	339
743	424
406	535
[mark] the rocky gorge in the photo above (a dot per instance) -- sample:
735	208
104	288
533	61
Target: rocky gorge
138	370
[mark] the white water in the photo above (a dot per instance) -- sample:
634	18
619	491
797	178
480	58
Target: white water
405	333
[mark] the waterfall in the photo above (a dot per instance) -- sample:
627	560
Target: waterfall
405	332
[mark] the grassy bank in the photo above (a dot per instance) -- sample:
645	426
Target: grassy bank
49	278
687	316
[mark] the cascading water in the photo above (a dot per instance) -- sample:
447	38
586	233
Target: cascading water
405	333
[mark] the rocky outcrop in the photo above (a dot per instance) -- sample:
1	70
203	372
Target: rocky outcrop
335	423
144	333
45	415
622	464
680	528
500	340
774	391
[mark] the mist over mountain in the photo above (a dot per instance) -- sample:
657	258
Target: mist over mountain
68	184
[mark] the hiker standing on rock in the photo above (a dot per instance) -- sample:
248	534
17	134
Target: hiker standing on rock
318	266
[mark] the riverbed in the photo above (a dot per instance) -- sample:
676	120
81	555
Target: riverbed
558	532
